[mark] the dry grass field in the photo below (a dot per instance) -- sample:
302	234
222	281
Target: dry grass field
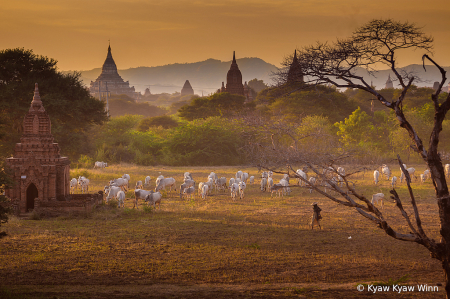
256	247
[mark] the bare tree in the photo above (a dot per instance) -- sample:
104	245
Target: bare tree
372	45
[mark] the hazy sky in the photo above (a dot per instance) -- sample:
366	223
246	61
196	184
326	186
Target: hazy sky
154	32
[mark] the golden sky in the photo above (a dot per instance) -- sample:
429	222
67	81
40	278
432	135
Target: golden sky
156	32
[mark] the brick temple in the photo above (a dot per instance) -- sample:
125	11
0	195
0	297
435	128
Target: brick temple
39	171
234	82
111	82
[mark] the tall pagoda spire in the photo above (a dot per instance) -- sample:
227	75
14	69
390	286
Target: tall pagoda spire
234	79
36	103
295	73
389	83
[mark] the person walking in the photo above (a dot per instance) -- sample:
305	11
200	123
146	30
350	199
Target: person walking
316	215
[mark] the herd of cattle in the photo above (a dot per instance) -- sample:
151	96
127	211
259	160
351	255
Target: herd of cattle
236	185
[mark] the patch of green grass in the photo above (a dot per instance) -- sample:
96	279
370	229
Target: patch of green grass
147	209
254	246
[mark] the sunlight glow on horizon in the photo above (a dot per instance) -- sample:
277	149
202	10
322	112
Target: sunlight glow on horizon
155	33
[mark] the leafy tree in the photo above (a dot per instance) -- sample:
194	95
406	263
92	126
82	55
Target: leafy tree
213	141
71	109
219	104
322	101
257	85
164	121
112	140
123	104
356	129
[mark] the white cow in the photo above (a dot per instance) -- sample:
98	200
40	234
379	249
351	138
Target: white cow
242	187
187	183
239	175
278	188
187	176
189	192
270	182
231	182
426	174
263	184
139	185
234	190
111	192
154	198
166	182
120	182
158	179
447	170
84	184
386	171
376	176
312	182
126	176
221	184
121	198
204	193
394	181
99	164
73	185
200	188
285	183
251	179
376	197
411	172
147	181
213	176
140	194
300	173
244	177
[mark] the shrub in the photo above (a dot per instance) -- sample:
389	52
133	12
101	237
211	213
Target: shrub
85	162
147	209
113	203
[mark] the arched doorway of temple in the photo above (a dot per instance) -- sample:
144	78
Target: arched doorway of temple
32	193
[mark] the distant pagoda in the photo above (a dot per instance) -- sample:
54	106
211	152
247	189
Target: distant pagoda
295	73
187	89
234	79
110	81
389	83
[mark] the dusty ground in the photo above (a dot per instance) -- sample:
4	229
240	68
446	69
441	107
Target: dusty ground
257	247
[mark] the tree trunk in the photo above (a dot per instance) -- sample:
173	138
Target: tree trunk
446	267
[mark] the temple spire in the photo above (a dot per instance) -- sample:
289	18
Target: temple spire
234	58
36	103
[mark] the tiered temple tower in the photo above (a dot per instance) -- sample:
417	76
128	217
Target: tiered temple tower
234	79
295	73
389	83
110	81
38	169
187	89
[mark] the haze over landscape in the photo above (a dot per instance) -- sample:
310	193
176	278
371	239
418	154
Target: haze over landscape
155	33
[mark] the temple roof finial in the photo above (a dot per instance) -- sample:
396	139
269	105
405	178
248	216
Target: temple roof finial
234	58
36	103
109	46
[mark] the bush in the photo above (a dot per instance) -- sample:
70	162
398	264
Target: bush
113	203
85	162
213	141
147	209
